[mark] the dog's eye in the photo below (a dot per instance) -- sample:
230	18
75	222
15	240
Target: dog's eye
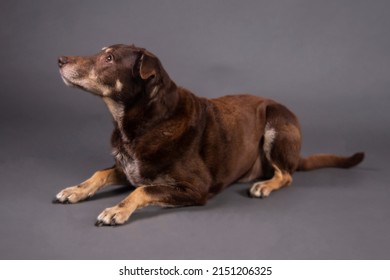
109	58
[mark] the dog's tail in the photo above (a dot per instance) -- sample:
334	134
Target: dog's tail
328	160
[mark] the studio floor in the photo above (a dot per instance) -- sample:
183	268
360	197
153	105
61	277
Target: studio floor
325	214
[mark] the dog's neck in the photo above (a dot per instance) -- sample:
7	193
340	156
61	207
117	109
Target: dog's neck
151	108
116	109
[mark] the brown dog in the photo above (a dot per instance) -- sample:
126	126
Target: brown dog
179	149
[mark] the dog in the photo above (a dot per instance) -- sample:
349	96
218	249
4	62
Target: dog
178	149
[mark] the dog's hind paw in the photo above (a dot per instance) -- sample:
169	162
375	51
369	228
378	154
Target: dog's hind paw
260	190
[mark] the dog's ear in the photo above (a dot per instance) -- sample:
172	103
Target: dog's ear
149	65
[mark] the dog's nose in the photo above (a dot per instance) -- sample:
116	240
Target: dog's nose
62	60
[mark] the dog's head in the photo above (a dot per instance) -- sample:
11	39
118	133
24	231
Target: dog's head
119	72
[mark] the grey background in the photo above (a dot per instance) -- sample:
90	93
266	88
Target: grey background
326	60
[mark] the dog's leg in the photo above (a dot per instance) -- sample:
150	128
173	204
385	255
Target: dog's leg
264	188
283	155
100	179
160	195
281	147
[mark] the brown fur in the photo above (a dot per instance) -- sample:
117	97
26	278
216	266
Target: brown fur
179	149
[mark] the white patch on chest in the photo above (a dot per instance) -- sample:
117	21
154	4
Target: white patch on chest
269	137
130	166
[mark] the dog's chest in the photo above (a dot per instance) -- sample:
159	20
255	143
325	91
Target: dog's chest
131	166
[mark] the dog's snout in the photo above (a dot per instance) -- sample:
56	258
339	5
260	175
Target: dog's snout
62	60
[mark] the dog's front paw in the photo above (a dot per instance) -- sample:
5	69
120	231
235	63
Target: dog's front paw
113	216
72	195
